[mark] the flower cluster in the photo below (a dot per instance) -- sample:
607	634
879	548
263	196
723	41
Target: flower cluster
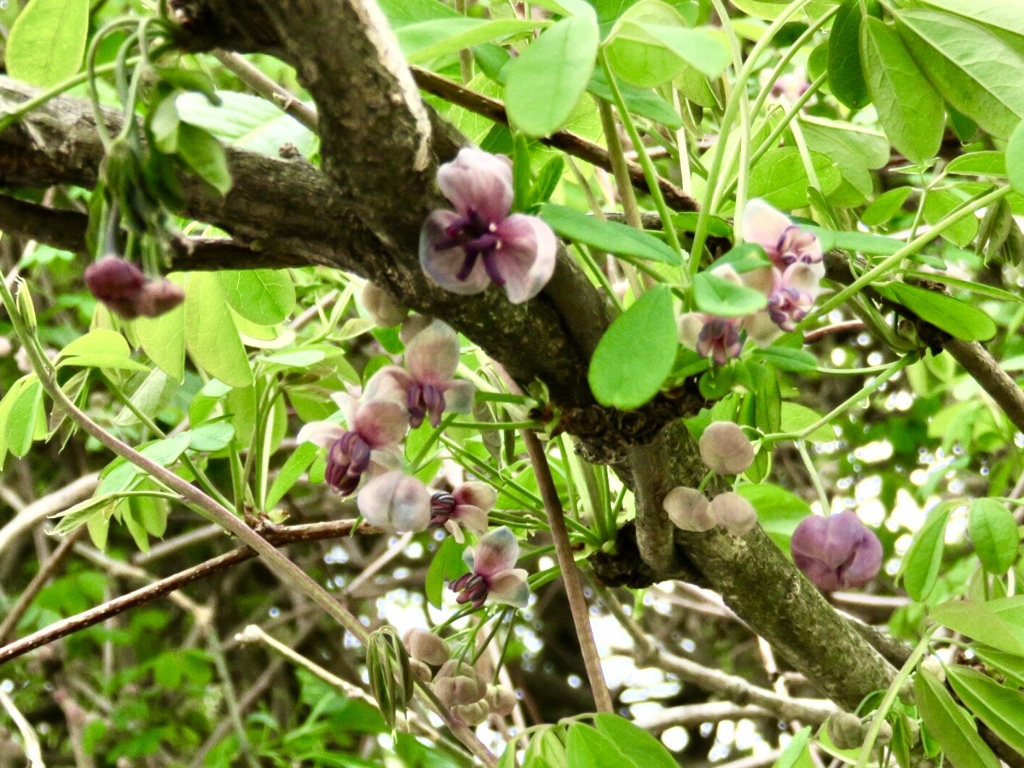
127	292
791	284
478	243
836	552
726	450
365	455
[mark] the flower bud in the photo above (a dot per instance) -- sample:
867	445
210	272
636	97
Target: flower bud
382	307
457	682
836	552
500	700
725	448
411	326
689	509
421	670
426	647
735	513
158	297
884	733
934	667
846	730
472	714
26	308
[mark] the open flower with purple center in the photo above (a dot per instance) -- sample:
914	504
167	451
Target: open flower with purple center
711	336
466	507
368	446
836	552
431	358
478	243
492	572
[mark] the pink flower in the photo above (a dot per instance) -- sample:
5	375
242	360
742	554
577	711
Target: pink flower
127	292
836	552
431	359
711	336
465	250
467	506
783	241
492	572
395	502
376	426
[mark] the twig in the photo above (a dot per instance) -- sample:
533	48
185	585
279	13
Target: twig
48	505
268	89
846	326
569	142
33	751
695	714
46	570
985	369
570	575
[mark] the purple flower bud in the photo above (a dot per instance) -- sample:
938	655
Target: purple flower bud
725	448
466	507
158	297
479	243
117	283
458	682
836	552
501	701
734	513
395	502
382	307
425	646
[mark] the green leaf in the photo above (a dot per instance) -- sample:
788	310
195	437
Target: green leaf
938	204
778	511
210	333
98	506
636	353
1010	665
978	73
587	748
558	64
262	296
47	41
796	417
163	338
429	40
886	206
607	236
643	749
204	155
920	567
290	472
717	296
909	108
780	177
980	622
994	532
988	163
447	565
796	754
23	417
792	360
1000	14
1015	158
153	393
247	122
999	707
860	242
953	316
844	69
211	437
650	45
950	726
639	101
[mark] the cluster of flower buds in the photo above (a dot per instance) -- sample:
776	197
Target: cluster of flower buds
726	450
480	243
791	284
466	693
127	292
836	552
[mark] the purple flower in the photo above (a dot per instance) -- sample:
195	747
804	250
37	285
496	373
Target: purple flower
711	336
431	358
836	552
467	506
376	426
127	292
395	502
783	242
465	250
492	572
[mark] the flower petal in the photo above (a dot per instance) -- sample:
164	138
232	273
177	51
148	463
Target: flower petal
473	518
443	266
690	325
395	502
433	354
389	383
453	527
476	494
381	423
763	225
526	256
322	433
510	588
762	329
865	563
496	552
478	181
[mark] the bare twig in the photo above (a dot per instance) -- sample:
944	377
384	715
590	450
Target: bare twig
268	89
695	714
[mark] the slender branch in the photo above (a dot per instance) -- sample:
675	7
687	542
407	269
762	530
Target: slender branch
695	714
268	89
570	574
985	369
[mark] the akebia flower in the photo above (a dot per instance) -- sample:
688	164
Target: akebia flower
127	292
734	513
395	502
478	243
725	448
431	357
375	429
711	336
467	506
836	552
689	509
492	573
